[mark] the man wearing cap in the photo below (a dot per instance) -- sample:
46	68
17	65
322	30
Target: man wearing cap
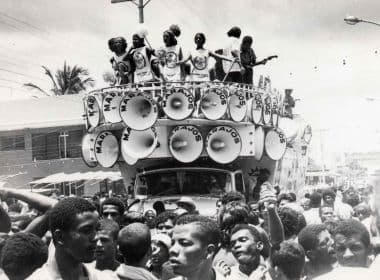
187	203
159	265
232	51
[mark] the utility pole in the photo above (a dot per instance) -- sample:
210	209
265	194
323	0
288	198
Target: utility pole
140	5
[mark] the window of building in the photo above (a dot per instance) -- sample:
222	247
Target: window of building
11	143
45	146
55	145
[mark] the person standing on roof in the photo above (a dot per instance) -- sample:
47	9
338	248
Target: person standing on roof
232	51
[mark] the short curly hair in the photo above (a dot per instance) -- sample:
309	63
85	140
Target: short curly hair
112	41
232	196
164	216
290	258
329	192
62	215
114	201
22	254
110	226
207	231
308	237
291	221
352	227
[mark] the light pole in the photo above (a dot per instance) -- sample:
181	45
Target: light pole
352	20
140	5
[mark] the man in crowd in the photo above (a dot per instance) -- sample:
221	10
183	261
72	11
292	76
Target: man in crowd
342	210
113	208
194	244
312	215
318	245
165	222
352	246
159	264
232	51
135	245
287	262
327	213
246	246
352	243
73	224
106	245
22	254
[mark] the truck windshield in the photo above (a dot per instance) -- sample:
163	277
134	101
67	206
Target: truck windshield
183	182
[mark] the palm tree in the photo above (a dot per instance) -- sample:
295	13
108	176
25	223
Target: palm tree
69	80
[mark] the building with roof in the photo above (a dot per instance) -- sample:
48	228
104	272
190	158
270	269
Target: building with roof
40	147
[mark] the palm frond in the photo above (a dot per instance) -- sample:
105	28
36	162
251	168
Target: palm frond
33	86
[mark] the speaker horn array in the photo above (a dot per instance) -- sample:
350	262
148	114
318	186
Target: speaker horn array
138	107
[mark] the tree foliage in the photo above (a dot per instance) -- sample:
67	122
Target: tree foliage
69	80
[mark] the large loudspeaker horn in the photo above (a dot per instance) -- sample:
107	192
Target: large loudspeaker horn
106	149
214	103
185	143
275	144
257	108
111	106
128	159
138	111
88	150
237	106
178	104
259	142
92	111
138	143
223	144
267	112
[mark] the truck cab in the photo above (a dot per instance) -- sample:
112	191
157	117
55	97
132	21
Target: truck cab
203	184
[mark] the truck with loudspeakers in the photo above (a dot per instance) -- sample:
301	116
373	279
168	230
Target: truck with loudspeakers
195	140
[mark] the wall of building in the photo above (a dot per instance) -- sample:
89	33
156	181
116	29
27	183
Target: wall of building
19	168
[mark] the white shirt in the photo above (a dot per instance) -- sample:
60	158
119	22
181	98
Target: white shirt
346	273
233	45
258	273
312	216
50	271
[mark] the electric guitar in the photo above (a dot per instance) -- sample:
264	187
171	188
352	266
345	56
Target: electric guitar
264	60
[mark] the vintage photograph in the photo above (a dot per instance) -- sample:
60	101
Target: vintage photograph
189	139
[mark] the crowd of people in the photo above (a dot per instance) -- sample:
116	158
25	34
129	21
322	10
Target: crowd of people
323	234
141	63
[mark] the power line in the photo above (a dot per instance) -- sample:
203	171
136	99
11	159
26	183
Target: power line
21	74
24	22
11	81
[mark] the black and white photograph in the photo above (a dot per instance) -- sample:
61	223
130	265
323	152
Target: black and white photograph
189	139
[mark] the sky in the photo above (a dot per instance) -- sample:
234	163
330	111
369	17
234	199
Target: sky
332	67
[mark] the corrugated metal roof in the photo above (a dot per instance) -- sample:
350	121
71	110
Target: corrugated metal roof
79	176
42	112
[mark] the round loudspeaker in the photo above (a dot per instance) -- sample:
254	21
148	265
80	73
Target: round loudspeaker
267	112
257	108
110	107
237	106
92	111
138	143
275	144
138	111
214	103
178	104
259	142
88	150
106	149
128	159
185	143
223	144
